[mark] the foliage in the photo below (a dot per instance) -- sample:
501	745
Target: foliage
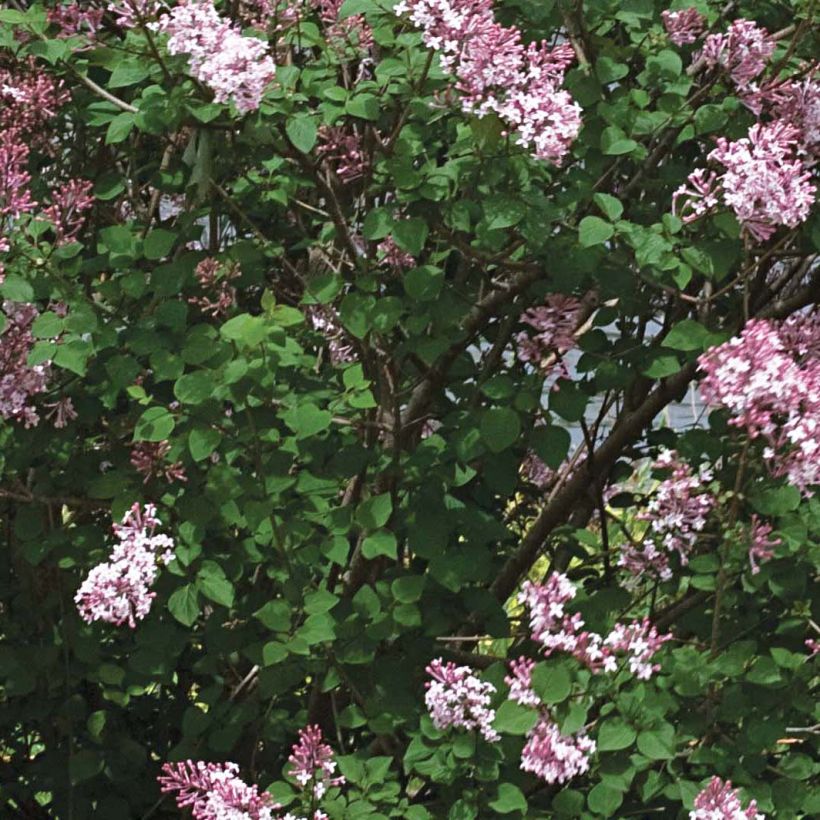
296	328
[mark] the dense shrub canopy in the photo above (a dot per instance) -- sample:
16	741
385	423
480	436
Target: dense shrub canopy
408	410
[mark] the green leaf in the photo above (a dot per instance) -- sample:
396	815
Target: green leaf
158	243
411	234
352	7
128	72
307	420
614	735
775	501
604	799
514	719
73	356
614	142
656	745
408	589
424	283
213	584
47	326
381	542
687	335
184	604
275	615
509	798
273	652
611	206
364	106
551	682
84	765
662	365
155	424
247	329
593	230
377	224
301	131
119	128
194	388
500	427
503	212
202	441
16	289
375	512
551	444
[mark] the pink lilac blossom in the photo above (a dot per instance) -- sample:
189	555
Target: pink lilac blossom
683	27
554	323
72	19
764	182
313	764
324	320
496	73
536	471
639	642
19	381
768	378
676	515
133	13
742	51
761	547
352	29
813	646
61	412
554	757
215	279
343	152
520	682
456	697
719	801
15	196
236	68
118	590
393	256
557	631
214	791
276	13
148	459
67	210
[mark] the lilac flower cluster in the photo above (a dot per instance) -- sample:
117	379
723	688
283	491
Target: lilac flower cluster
73	19
313	763
215	279
19	381
554	323
133	13
557	631
324	319
764	182
554	757
520	682
119	590
761	546
148	459
456	697
497	73
236	68
683	27
393	256
768	378
742	52
639	642
68	207
353	29
214	791
676	514
343	151
719	801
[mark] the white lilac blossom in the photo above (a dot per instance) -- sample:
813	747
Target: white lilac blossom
236	68
553	757
677	514
455	697
496	73
719	801
119	590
